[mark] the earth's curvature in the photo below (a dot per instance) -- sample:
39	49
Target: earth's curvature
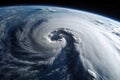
54	43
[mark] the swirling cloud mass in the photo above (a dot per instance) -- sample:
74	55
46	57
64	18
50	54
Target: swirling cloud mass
53	43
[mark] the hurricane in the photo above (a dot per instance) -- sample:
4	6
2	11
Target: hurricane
56	43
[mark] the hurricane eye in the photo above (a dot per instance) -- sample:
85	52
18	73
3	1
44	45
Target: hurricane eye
56	37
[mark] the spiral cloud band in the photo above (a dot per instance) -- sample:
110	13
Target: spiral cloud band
52	43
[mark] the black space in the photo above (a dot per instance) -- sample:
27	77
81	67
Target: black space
109	8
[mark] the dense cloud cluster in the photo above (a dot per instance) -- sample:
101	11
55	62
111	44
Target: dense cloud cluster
51	43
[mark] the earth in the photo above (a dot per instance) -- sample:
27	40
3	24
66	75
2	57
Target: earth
56	43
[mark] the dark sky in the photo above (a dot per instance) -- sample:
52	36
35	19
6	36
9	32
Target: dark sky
110	8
